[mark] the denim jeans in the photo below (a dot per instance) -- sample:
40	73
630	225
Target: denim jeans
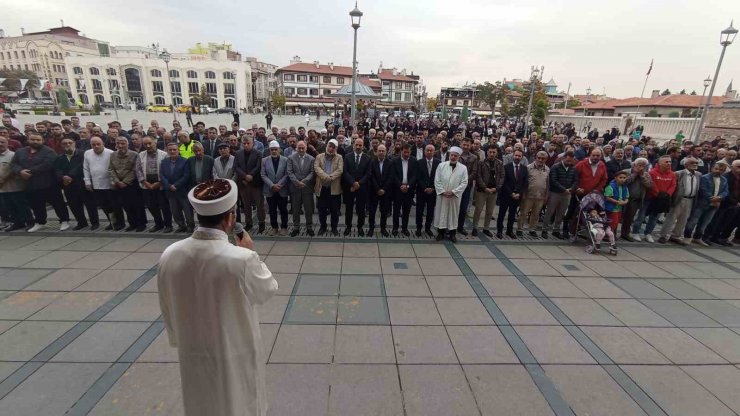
652	219
700	218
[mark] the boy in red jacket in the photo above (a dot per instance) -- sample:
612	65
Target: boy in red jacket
592	176
658	198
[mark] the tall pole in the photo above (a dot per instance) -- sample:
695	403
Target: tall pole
354	82
641	95
533	79
567	97
711	91
698	110
169	85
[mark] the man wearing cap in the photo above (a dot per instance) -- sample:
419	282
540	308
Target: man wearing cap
450	182
208	293
200	165
275	187
328	167
223	166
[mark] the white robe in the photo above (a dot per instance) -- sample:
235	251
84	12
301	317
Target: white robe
208	289
446	209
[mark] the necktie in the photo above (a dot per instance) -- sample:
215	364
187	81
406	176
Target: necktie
357	159
429	167
381	168
516	172
691	186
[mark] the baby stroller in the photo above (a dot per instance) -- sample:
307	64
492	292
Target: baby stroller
595	228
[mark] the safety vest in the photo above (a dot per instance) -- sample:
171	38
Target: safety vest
186	150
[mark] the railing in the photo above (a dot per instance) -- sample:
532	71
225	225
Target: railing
655	127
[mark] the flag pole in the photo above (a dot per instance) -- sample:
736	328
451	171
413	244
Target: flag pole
642	94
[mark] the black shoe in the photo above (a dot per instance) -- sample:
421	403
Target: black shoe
248	226
384	233
371	231
440	236
462	231
519	233
511	235
140	228
453	238
418	232
94	226
499	235
108	227
429	232
118	227
533	233
347	231
309	231
566	235
156	228
78	227
130	228
191	230
544	234
15	227
181	230
474	233
360	232
557	235
406	233
335	232
167	230
488	233
261	229
395	233
294	232
322	230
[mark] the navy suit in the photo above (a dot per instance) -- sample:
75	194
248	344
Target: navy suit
177	174
424	180
512	184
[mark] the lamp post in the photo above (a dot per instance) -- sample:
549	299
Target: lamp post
726	38
356	16
698	110
166	56
536	76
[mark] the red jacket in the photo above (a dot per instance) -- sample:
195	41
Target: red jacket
587	180
663	182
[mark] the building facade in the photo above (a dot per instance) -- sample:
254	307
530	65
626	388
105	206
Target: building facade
264	83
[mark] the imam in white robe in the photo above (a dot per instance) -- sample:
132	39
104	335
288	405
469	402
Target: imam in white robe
208	289
447	210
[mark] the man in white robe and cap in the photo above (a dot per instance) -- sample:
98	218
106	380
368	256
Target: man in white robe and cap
450	182
208	292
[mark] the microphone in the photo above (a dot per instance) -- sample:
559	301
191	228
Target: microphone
239	230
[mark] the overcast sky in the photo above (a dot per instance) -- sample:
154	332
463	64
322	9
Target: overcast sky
605	45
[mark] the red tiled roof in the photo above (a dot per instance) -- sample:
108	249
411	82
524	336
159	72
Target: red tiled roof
322	69
372	83
675	100
387	74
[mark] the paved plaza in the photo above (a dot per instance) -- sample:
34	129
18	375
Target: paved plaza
386	327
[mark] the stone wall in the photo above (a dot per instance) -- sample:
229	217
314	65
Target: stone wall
722	121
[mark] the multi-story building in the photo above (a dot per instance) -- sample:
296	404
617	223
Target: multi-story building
399	90
215	51
45	52
138	75
263	83
457	98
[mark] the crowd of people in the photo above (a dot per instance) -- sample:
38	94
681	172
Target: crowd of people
439	168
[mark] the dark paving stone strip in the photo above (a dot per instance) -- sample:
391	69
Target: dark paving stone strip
26	370
544	384
628	385
713	260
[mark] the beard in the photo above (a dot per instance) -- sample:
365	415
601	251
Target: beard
35	145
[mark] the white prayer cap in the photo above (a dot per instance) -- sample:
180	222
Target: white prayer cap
274	144
455	149
324	131
334	142
213	197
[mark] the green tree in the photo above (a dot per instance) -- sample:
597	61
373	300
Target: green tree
540	104
505	107
674	114
491	93
277	101
63	99
432	103
683	92
693	93
666	92
204	98
652	113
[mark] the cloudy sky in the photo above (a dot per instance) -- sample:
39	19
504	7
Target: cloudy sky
606	45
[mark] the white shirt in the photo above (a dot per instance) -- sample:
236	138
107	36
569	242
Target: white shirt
717	182
95	168
691	184
405	169
419	153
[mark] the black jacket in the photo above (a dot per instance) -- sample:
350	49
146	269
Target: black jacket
41	167
211	150
514	185
613	166
423	178
397	179
206	172
70	167
381	181
561	179
248	165
353	173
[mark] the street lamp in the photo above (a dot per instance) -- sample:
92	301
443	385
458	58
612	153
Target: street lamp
356	16
536	76
698	110
166	56
726	38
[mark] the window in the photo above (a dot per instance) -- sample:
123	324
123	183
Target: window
228	75
211	87
398	96
192	75
286	77
16	54
327	80
175	87
157	86
193	88
94	71
302	78
399	85
83	98
97	85
327	92
156	73
111	72
314	91
99	98
340	80
113	84
214	102
159	100
386	84
177	100
302	91
231	103
313	78
289	91
80	84
23	54
408	85
210	75
229	88
26	65
174	73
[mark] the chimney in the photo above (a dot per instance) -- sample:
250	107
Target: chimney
331	65
296	60
395	71
23	32
655	93
380	67
403	72
316	64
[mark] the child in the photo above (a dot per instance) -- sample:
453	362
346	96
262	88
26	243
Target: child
616	195
596	221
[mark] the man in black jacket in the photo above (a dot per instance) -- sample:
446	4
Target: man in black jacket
380	190
563	181
404	184
355	180
617	163
247	163
35	165
68	171
515	181
426	196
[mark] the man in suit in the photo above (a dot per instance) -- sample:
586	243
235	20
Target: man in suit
200	165
404	184
380	190
356	176
727	216
515	181
301	175
199	132
328	167
210	144
68	170
175	176
712	190
470	160
426	197
688	180
417	149
274	173
442	154
247	163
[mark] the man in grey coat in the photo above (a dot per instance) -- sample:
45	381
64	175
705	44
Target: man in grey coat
301	175
687	188
275	187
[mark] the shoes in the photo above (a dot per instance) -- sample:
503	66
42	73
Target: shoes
14	227
511	235
140	228
557	235
108	227
488	233
273	232
663	240
417	233
283	232
462	231
384	232
294	232
499	235
519	233
156	228
322	230
628	237
309	231
395	233
440	236
453	238
118	227
406	233
700	242
544	234
725	243
636	238
429	232
371	231
181	229
130	228
167	230
533	233
347	231
649	238
94	226
64	226
78	227
474	233
566	235
360	232
261	229
36	227
335	232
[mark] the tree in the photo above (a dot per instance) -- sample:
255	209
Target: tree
666	92
63	99
204	98
432	103
505	107
652	113
491	94
277	101
674	114
693	92
14	76
683	92
540	103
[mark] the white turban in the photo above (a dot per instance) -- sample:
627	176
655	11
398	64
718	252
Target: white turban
455	149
